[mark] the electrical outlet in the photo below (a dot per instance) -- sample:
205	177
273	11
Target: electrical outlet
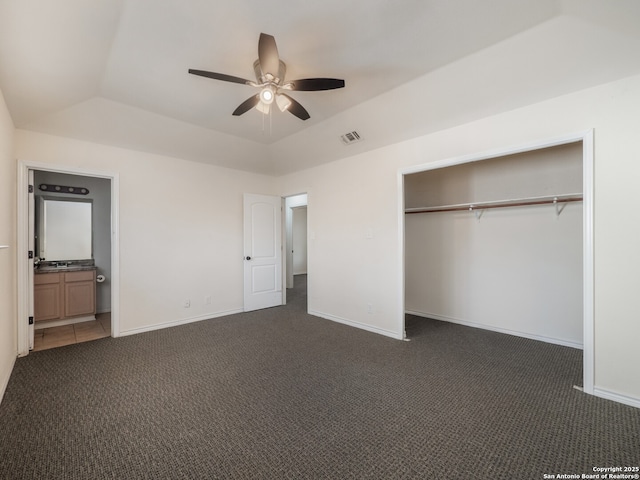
207	300
187	303
369	308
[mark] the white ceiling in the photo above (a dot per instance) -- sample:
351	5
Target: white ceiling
115	71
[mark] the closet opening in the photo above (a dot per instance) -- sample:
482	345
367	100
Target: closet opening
503	242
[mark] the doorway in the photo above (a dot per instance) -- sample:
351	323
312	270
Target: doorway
586	141
296	246
85	248
105	247
299	241
268	258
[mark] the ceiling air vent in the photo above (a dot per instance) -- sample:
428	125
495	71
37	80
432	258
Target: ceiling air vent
351	137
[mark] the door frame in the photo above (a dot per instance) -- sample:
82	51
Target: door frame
288	234
31	215
587	139
285	233
25	288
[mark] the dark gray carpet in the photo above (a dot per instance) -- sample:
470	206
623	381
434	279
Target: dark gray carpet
281	394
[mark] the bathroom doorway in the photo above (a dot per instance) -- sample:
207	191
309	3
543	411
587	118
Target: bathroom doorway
73	322
72	287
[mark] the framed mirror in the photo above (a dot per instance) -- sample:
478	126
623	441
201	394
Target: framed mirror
65	229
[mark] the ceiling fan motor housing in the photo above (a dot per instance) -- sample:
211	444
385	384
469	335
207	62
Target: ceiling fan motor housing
277	78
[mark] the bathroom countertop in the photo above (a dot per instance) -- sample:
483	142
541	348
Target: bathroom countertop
71	268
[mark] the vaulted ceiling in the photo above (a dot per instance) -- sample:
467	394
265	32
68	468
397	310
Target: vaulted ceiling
115	71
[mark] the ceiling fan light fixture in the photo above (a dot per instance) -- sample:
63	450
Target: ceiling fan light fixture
270	74
283	102
267	95
263	108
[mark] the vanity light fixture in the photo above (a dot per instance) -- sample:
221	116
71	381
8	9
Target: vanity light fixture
45	187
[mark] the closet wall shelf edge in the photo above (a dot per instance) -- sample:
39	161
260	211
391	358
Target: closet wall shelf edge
516	202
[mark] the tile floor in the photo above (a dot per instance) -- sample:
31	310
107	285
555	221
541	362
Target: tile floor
53	337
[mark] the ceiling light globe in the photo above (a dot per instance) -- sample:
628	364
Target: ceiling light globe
266	95
283	102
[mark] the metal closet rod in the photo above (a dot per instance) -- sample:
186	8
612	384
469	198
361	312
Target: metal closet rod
519	202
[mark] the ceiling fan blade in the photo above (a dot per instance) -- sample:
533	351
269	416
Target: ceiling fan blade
268	55
247	105
296	109
315	84
220	76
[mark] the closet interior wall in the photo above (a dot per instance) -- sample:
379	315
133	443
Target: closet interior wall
515	269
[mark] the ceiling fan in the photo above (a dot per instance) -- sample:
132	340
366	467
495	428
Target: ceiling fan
270	72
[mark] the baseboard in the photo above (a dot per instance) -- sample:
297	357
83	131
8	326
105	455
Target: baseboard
541	338
361	326
616	397
4	379
175	323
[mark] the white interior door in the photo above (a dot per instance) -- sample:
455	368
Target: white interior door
32	225
262	251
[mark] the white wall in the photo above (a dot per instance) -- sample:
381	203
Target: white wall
353	240
100	193
356	218
516	270
180	226
8	341
538	173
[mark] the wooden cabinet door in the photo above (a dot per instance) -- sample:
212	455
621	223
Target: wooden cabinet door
47	297
80	293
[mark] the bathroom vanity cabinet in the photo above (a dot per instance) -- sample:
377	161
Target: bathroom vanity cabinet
64	295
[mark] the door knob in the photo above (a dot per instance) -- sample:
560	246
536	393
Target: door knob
247	258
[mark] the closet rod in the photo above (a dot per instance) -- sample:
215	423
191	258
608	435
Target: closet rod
574	197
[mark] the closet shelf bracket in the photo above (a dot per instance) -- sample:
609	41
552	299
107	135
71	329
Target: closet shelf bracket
477	212
559	206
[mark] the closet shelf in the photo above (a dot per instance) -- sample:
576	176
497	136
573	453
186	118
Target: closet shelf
516	202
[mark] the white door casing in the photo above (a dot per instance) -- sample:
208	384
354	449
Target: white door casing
262	251
30	261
